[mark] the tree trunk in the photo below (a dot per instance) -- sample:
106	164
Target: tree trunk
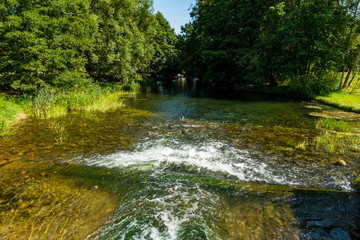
348	77
272	81
342	77
353	78
348	44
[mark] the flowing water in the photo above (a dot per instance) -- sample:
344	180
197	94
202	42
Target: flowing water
177	167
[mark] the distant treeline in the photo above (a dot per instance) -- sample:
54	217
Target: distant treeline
307	45
65	44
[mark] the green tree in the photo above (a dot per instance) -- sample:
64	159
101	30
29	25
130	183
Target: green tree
43	41
63	44
309	38
266	43
351	45
164	64
123	42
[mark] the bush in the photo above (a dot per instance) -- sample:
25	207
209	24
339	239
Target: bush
146	82
133	87
311	87
74	81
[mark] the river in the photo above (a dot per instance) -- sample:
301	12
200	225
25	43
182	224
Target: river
177	166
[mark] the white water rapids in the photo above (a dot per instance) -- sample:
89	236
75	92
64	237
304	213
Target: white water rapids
170	210
217	159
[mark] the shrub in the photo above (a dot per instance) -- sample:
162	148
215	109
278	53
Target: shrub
133	87
74	81
311	87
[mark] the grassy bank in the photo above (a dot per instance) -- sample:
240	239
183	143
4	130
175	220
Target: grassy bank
52	103
338	137
10	112
342	100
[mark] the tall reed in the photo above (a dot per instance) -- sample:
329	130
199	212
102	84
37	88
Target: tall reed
49	103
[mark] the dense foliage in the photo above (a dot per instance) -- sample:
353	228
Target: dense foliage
303	44
309	46
70	44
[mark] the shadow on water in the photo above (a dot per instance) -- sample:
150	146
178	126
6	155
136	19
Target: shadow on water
322	215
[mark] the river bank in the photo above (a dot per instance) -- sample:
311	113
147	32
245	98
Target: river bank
10	113
341	100
51	103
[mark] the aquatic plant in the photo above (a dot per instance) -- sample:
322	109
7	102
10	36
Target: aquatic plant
336	137
357	182
42	102
341	139
49	103
59	132
337	144
107	102
335	125
302	146
3	125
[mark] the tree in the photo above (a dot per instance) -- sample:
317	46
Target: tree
44	40
164	63
351	48
266	43
63	44
123	41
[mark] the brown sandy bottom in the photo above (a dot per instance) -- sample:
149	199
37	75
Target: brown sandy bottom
250	220
36	203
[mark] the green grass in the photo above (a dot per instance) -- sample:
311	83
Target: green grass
337	144
110	101
335	125
53	104
9	112
342	100
346	141
337	137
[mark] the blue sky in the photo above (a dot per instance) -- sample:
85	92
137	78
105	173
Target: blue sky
175	11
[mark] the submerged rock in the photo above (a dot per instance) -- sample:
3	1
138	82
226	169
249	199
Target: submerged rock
340	162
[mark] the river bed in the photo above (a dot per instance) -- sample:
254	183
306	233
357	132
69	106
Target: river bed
177	166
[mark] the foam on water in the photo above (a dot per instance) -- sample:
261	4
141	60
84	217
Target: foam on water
165	211
169	209
217	159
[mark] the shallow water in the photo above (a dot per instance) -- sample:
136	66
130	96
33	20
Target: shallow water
178	167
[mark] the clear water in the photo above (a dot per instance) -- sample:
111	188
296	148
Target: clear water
196	167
